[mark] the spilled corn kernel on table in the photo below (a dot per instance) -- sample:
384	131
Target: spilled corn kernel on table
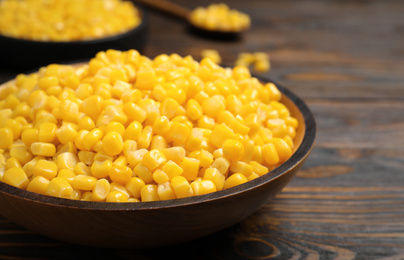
345	59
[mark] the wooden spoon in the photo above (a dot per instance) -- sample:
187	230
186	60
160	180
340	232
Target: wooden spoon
185	14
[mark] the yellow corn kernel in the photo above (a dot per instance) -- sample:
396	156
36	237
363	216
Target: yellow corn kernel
101	190
234	180
69	110
190	168
282	148
206	122
153	159
12	162
270	154
112	143
6	138
92	106
252	176
15	177
86	157
29	136
145	137
86	196
44	168
145	78
166	191
205	158
101	169
14	126
211	54
179	133
67	161
47	132
117	196
86	122
175	153
172	169
59	187
222	164
19	151
212	106
83	182
194	140
275	94
149	192
220	134
67	174
233	149
82	169
160	176
134	186
135	157
143	172
162	125
120	174
241	167
259	168
134	131
181	187
43	149
66	133
169	108
38	184
92	137
217	177
134	112
158	142
202	187
194	110
289	141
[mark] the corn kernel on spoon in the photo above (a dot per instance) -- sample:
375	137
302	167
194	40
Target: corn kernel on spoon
216	20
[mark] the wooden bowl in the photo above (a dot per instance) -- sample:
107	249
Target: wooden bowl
160	223
17	54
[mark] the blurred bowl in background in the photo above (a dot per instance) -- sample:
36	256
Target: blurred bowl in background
16	54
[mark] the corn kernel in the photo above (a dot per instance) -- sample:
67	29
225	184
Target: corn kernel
116	196
217	177
15	177
181	187
203	187
112	143
222	164
149	192
220	134
270	154
43	149
83	182
143	172
165	191
59	187
241	167
6	138
120	174
233	149
101	190
38	184
134	186
175	153
234	180
44	168
153	159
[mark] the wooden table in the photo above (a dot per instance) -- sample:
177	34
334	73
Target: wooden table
345	59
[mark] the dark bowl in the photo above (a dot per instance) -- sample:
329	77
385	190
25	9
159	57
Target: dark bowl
160	223
17	54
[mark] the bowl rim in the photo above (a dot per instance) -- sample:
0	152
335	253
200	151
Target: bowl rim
140	27
297	157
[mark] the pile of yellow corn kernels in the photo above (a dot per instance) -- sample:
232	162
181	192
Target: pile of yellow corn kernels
220	17
66	20
127	128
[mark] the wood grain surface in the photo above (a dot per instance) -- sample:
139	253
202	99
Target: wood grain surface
345	58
